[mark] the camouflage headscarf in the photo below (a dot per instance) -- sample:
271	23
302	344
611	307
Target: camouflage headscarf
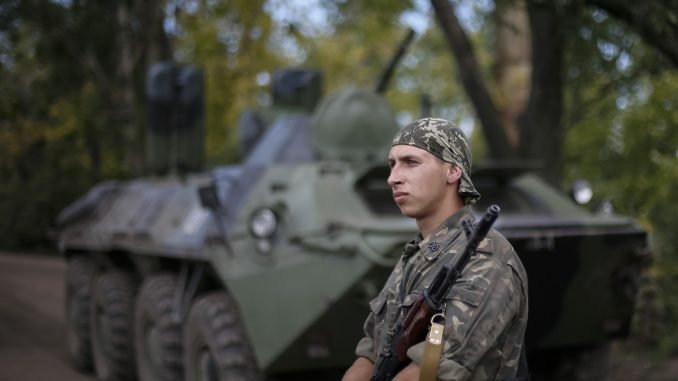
446	141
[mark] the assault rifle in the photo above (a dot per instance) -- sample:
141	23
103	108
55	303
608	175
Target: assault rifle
412	329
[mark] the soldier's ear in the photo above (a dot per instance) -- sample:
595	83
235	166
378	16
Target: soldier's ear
453	174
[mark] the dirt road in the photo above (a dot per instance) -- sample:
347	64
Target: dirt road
32	340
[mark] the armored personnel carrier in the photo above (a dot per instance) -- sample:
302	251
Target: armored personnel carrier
265	269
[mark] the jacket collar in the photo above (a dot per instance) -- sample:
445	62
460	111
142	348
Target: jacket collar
433	245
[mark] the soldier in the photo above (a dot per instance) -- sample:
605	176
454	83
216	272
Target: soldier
486	309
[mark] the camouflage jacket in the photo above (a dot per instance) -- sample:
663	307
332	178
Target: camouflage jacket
486	309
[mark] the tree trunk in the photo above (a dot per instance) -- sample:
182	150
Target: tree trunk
124	114
157	43
513	65
541	130
499	147
154	47
141	41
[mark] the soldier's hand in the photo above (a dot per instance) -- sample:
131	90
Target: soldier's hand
361	370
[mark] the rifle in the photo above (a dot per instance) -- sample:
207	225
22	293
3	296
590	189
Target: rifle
412	329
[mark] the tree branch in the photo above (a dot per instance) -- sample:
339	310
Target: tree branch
469	73
656	24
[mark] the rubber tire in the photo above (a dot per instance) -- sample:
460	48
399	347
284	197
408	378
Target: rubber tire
154	318
216	342
80	271
111	320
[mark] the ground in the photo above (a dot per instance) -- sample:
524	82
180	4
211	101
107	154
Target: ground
32	338
33	342
632	364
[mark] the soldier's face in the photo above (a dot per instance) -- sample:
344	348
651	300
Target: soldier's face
419	182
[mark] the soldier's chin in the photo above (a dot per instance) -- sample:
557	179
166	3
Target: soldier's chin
407	213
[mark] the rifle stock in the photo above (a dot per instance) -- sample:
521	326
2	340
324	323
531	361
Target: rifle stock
414	326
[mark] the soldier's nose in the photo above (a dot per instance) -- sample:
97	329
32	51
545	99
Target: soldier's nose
393	178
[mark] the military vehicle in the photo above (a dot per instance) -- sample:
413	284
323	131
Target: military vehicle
265	269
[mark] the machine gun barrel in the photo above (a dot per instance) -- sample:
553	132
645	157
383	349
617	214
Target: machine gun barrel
386	75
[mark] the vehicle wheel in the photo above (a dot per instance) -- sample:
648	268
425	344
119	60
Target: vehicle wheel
158	341
215	342
79	275
111	319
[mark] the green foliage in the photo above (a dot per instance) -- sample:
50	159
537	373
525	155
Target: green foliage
632	154
363	41
57	135
72	105
622	106
229	40
653	141
620	115
44	164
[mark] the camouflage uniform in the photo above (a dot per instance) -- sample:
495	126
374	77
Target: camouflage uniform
486	312
486	309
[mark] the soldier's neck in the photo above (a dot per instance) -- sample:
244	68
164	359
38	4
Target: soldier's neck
429	223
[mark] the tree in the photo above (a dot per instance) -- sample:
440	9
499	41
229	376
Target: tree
230	42
54	112
602	101
655	22
541	131
73	105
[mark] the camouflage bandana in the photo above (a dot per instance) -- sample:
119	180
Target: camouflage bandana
446	141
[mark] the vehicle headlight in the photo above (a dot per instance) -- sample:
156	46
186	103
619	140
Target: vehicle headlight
582	192
263	223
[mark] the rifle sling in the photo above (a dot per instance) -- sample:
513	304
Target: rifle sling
432	349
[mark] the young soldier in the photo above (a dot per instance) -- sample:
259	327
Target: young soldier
486	309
